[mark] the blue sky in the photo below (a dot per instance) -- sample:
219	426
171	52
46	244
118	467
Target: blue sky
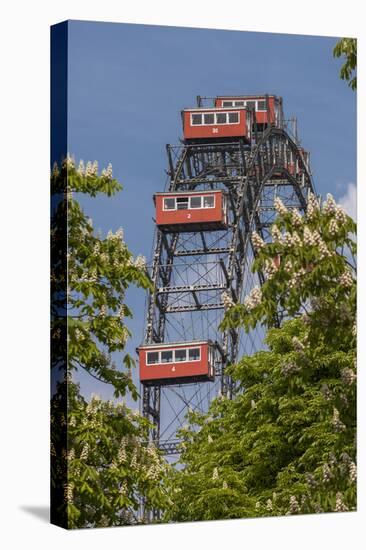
128	83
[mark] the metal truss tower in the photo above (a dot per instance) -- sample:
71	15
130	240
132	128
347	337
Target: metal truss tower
191	271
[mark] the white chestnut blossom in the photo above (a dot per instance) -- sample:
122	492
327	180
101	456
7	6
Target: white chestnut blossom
309	237
340	215
270	268
224	485
294	505
288	266
140	262
291	240
81	168
336	421
121	312
312	206
333	227
296	278
69	493
340	506
122	455
346	279
298	345
287	239
95	168
124	488
79	335
324	251
215	474
85	452
352	472
134	459
71	454
280	207
289	368
296	218
153	473
296	241
253	299
348	376
276	234
257	241
316	237
227	300
329	206
68	162
119	234
310	480
108	172
91	169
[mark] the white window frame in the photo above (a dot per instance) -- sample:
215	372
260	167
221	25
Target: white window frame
256	105
187	360
233	103
201	123
227	123
202	201
210	123
195	207
156	362
193	360
215	123
170	209
234	113
243	103
258	110
189	203
180	361
166	362
222	123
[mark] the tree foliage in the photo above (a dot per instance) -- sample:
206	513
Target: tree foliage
286	443
98	272
101	463
108	464
347	47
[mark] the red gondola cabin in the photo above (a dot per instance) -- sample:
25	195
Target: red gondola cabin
268	108
191	211
201	124
181	363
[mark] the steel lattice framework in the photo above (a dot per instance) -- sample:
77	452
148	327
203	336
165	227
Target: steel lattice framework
190	271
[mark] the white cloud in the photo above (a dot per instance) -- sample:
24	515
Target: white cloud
349	200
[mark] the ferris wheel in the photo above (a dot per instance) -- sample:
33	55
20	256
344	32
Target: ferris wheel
236	157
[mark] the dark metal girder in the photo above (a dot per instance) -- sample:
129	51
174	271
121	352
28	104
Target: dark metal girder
245	171
195	298
189	288
201	251
203	307
169	447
